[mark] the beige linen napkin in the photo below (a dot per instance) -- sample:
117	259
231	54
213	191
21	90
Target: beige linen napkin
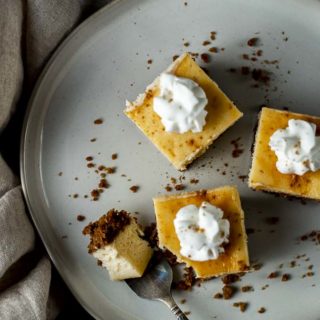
29	32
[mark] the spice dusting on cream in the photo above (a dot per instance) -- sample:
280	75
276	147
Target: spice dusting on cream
201	231
181	104
297	148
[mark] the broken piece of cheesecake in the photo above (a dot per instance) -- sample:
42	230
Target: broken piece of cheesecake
116	241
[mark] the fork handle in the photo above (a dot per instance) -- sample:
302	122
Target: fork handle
174	308
178	313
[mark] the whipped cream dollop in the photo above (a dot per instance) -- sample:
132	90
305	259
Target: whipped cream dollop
297	147
181	104
201	231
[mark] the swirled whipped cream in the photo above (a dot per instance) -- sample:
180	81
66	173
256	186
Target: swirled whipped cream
201	231
297	147
181	104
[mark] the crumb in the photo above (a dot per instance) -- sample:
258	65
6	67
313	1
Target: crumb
230	278
64	237
213	35
168	188
285	277
206	42
205	57
103	184
194	181
183	301
149	61
188	281
91	165
76	195
252	42
89	158
110	170
114	156
95	194
236	152
260	75
81	217
179	187
242	305
173	180
98	121
186	44
228	292
273	275
247	289
99	263
60	173
187	313
134	189
218	295
292	264
175	57
93	140
259	53
262	310
214	50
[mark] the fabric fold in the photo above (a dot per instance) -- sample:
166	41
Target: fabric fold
11	67
17	235
7	179
28	299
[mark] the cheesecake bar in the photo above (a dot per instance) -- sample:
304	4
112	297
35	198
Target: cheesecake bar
181	148
264	174
233	256
115	240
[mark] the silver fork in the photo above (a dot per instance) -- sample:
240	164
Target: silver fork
155	284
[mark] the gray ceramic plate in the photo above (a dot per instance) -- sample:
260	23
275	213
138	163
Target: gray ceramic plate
104	62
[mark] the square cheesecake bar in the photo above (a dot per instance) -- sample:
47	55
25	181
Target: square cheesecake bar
182	148
235	257
264	174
